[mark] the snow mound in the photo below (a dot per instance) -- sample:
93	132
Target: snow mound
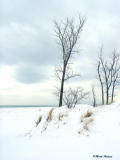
61	133
65	121
82	120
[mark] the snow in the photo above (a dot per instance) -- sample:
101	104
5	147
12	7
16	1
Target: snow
61	136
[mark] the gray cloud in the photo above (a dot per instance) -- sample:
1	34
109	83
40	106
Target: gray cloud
30	74
31	12
27	40
24	44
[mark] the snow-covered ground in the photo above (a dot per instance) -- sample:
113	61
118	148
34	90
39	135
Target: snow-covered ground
74	134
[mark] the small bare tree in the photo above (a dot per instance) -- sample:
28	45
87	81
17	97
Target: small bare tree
73	96
67	33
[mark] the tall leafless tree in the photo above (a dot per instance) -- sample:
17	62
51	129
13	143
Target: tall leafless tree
67	33
107	76
115	73
108	73
100	80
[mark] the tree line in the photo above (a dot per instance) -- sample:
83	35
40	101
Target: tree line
68	34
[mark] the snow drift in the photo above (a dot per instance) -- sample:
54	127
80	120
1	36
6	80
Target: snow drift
60	133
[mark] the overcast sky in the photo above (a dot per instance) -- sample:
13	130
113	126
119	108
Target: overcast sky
29	52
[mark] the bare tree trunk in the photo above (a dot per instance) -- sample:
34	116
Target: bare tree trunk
106	77
101	83
102	94
112	97
94	96
102	91
107	95
62	87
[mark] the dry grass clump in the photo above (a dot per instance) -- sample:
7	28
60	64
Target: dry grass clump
79	132
85	126
82	119
90	120
61	115
50	117
88	114
86	120
44	127
38	120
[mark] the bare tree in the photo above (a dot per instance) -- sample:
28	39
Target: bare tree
107	76
67	33
108	73
73	96
94	96
115	73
